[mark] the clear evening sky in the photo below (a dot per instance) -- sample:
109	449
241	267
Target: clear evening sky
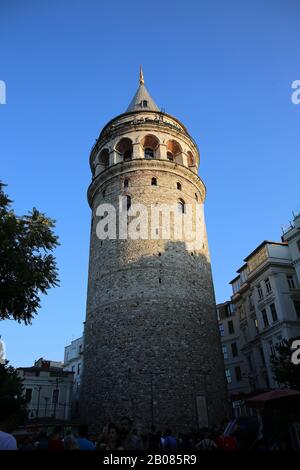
224	69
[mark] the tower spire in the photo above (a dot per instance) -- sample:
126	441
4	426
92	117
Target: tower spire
142	101
142	81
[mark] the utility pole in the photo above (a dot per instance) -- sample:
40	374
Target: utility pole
56	397
46	404
38	402
152	403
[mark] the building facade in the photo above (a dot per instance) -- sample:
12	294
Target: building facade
73	362
266	298
292	237
229	328
152	349
48	390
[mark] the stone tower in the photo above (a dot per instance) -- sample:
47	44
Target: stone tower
152	348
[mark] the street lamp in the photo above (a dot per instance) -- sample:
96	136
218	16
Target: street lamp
46	404
39	387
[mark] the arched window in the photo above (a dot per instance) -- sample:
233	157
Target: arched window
196	197
145	103
104	158
174	148
150	144
190	159
126	183
179	186
154	182
170	156
181	206
124	148
149	153
103	193
128	202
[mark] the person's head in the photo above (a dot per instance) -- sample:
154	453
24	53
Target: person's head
126	425
153	429
83	430
112	433
70	443
168	432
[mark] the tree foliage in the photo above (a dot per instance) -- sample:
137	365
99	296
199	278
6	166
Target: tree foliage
285	372
27	267
11	393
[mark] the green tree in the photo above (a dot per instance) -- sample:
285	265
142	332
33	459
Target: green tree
11	393
27	267
285	372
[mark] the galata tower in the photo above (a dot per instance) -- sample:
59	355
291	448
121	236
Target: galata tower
152	349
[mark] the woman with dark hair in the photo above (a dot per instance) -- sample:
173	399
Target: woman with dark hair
113	440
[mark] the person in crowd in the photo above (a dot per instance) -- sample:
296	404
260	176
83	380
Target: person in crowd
42	441
113	438
27	444
102	438
7	423
55	441
168	441
153	439
130	440
70	442
82	441
206	442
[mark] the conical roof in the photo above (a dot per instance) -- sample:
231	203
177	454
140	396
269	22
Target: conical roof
142	100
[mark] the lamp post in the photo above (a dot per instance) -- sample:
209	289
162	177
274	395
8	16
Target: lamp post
38	401
46	404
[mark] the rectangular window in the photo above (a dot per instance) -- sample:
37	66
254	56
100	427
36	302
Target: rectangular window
73	368
28	394
238	373
273	312
55	394
262	356
221	329
265	317
225	352
290	281
228	375
230	327
78	368
234	350
259	292
268	285
297	307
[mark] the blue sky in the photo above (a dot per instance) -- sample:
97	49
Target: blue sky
223	68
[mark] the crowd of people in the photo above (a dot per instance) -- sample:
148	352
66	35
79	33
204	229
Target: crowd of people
123	436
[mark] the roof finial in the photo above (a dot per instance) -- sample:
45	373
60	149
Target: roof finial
142	81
